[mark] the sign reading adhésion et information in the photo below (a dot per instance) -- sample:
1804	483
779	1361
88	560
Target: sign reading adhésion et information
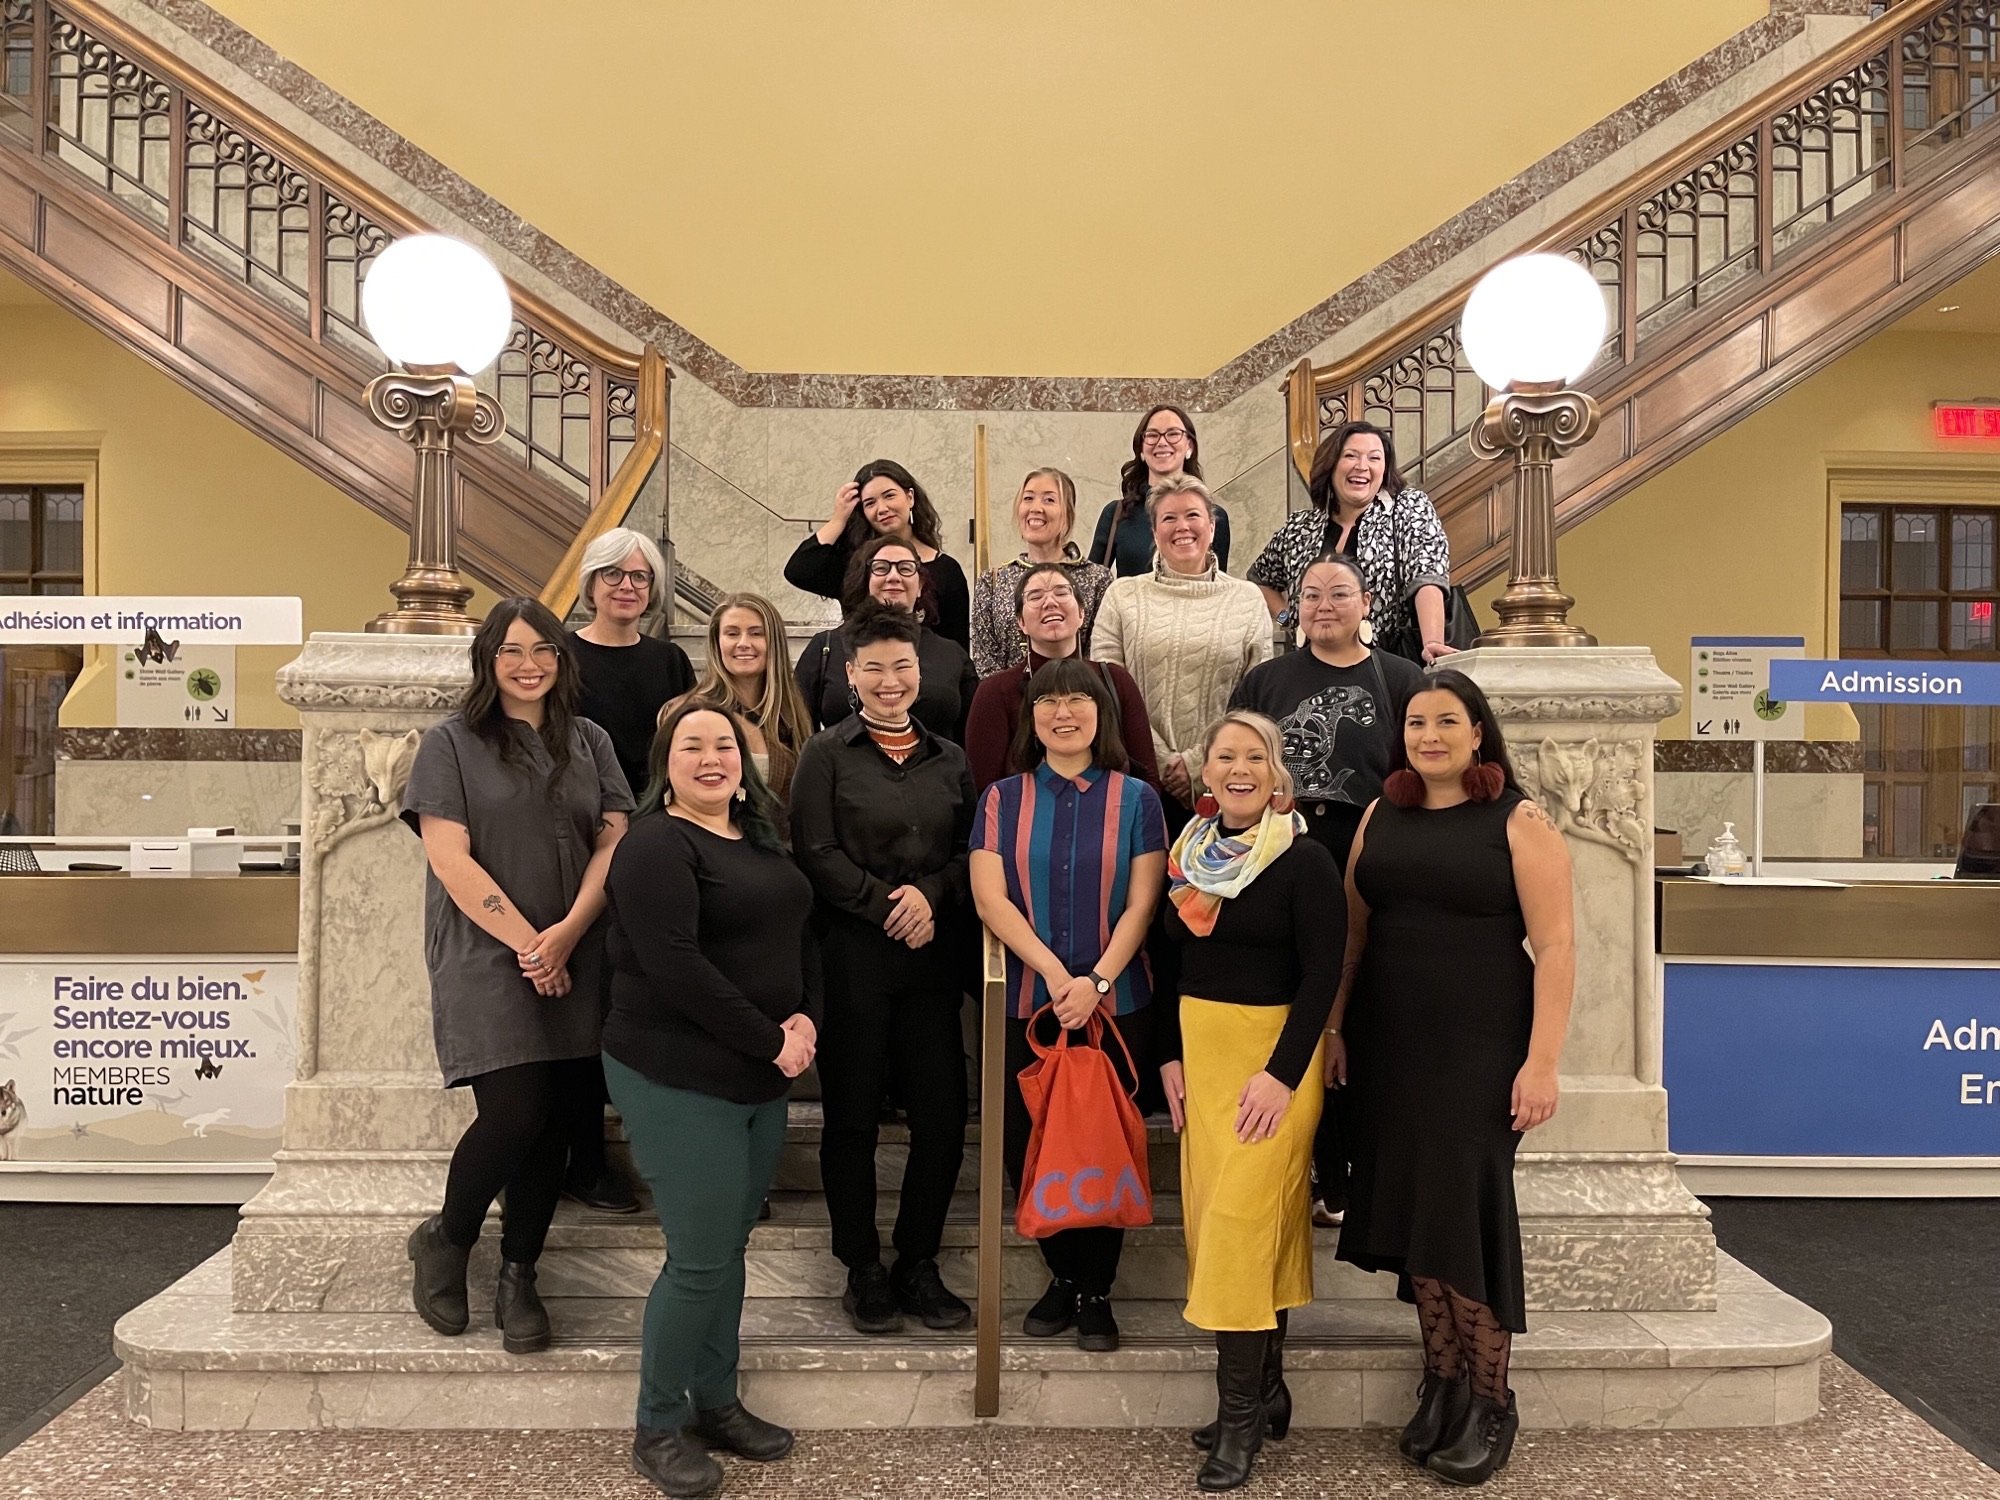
1964	682
116	620
141	1060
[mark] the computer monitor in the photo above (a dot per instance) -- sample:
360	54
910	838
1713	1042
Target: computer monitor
1979	850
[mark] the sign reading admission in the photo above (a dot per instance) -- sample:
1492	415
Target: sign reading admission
1962	682
117	620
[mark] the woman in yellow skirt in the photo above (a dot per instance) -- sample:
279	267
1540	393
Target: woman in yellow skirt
1255	928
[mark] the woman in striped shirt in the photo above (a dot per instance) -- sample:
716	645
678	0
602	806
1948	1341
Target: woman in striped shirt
1068	860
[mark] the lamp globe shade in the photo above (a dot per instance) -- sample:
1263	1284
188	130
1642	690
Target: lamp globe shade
432	300
1533	319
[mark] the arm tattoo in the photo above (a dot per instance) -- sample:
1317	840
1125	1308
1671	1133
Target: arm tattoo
1537	813
494	904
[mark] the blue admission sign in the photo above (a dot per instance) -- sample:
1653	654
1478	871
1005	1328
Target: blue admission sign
1961	682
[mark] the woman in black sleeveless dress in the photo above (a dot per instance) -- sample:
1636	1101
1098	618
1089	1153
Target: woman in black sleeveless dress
1450	1034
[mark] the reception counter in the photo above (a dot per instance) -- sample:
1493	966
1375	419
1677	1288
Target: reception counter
1837	1039
145	1032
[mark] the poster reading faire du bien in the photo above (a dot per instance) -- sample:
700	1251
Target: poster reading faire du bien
140	1061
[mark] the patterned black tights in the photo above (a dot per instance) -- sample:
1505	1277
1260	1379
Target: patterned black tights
1460	1334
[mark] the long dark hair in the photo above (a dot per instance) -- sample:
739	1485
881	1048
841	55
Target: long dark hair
480	708
923	514
854	586
1057	678
1319	482
1135	480
1492	749
756	816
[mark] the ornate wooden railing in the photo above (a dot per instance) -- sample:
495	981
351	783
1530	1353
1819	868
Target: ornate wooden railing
1806	182
196	230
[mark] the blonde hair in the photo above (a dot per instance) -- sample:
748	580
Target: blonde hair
780	710
1065	488
609	551
1180	484
1274	746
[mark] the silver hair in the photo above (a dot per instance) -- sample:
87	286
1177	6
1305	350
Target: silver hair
608	551
1180	484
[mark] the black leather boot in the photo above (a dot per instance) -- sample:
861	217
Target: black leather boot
1441	1406
742	1433
439	1280
1239	1416
675	1463
1277	1395
1478	1447
517	1310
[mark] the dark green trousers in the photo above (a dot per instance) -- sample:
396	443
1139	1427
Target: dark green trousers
709	1163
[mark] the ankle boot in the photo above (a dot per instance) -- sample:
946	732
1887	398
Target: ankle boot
1277	1395
742	1432
439	1280
1440	1408
1478	1447
675	1463
517	1310
1239	1417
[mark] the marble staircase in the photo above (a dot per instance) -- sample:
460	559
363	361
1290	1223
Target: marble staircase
193	1362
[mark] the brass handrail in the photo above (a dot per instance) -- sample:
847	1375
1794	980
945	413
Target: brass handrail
648	448
1307	383
993	1086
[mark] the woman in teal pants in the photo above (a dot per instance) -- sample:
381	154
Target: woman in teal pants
714	1008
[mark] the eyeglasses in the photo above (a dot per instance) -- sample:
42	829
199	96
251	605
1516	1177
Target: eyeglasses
1074	702
544	655
883	567
1165	437
1338	596
1043	596
638	577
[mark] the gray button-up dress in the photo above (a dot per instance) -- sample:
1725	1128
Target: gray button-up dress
484	1013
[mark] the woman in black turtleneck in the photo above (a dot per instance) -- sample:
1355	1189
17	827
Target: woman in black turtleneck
881	816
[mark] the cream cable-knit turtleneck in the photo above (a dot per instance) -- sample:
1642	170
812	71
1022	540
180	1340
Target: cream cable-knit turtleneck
1186	639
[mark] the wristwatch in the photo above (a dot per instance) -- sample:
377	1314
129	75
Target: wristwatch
1099	983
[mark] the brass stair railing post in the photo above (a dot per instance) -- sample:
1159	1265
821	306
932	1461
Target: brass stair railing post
993	1084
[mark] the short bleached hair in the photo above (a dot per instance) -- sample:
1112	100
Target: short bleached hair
609	551
1274	746
1180	484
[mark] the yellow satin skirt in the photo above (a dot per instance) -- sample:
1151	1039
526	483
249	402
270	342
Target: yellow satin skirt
1247	1208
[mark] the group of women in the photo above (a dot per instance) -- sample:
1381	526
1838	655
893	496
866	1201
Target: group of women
1274	876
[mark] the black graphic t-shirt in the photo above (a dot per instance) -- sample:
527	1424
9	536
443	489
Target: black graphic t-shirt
1338	737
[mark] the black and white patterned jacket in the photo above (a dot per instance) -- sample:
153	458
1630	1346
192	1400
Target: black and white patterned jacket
1406	528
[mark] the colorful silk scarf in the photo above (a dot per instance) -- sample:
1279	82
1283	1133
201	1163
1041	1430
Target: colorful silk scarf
1207	866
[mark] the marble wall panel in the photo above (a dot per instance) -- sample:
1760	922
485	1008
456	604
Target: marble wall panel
159	798
1806	816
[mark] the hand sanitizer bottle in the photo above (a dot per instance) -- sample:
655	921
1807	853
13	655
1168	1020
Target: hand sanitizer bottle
1725	855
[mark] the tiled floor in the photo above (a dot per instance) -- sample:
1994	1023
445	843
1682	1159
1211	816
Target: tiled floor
1863	1447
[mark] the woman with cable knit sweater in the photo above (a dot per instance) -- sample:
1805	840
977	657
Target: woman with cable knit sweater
1186	632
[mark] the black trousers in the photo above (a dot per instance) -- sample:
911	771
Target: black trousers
1333	1148
1088	1258
528	1115
891	1026
586	1145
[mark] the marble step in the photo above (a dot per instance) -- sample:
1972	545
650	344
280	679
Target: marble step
193	1363
606	1255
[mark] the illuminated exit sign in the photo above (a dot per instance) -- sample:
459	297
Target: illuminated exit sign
1966	419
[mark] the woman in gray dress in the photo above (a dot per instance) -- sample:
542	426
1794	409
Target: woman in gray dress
519	803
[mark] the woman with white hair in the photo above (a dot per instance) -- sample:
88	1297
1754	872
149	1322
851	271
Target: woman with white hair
628	677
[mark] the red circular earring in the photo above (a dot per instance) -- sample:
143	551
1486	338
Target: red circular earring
1205	806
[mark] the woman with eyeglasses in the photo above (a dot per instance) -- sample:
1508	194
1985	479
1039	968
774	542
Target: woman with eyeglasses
1045	515
885	500
519	803
888	572
748	675
1362	508
627	677
1338	705
1164	446
1068	859
1050	618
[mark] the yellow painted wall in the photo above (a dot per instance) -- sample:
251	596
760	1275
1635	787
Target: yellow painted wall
1126	187
1734	539
188	501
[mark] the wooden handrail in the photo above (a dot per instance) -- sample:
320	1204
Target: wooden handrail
649	448
1307	383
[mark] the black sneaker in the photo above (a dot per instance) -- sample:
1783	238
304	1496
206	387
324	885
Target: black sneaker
869	1302
609	1193
920	1290
1054	1313
1096	1329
